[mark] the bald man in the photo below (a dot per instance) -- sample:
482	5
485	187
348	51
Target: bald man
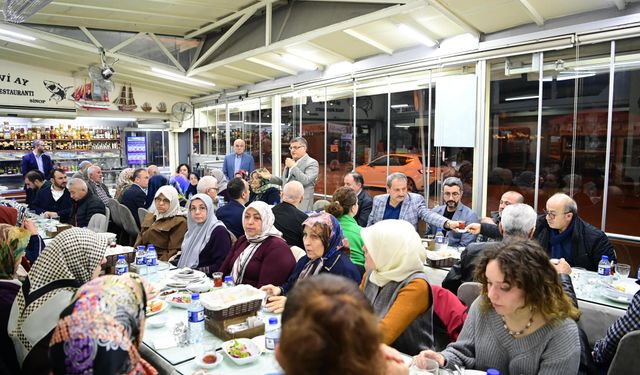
288	216
237	160
488	226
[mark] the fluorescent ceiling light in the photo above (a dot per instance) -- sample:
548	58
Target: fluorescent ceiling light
525	97
299	62
106	118
399	106
564	77
416	35
462	42
16	35
180	77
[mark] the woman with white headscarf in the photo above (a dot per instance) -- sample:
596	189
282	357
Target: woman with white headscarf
207	241
165	228
261	256
396	285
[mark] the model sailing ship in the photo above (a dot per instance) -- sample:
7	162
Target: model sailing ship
125	101
92	97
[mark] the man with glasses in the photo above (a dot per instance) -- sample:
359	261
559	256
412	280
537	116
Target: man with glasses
209	185
300	167
454	210
565	235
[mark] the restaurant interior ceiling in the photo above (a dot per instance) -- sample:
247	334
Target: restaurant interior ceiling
196	48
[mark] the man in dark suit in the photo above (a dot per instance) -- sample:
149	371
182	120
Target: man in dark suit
136	196
237	161
54	201
85	204
231	213
288	217
37	160
355	181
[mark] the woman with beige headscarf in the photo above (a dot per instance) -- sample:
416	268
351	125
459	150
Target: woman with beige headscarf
165	228
396	285
124	181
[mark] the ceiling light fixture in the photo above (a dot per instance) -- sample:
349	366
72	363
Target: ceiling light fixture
181	78
16	35
106	118
394	106
525	97
416	35
298	61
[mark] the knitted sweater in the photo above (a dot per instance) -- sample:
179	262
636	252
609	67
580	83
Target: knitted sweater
484	343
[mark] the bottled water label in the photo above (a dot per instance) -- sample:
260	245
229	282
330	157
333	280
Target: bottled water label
196	316
271	342
604	271
152	261
140	260
121	269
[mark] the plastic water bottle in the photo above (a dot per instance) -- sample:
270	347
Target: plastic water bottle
121	266
439	239
492	371
196	319
228	282
141	260
272	334
220	201
152	260
604	268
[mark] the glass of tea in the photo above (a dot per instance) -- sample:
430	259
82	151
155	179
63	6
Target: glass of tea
217	279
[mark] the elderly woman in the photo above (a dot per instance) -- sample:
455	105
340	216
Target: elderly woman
262	190
261	256
329	327
166	227
345	207
522	323
124	181
13	243
100	332
396	285
73	258
207	241
325	253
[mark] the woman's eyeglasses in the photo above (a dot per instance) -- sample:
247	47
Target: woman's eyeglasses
162	200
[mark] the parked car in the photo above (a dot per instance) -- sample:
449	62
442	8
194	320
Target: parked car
375	172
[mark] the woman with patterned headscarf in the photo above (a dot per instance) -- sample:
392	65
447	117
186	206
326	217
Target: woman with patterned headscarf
327	252
261	256
124	181
73	258
13	243
165	228
100	332
262	189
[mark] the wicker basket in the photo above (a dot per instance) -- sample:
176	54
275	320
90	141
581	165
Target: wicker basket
249	307
219	327
446	262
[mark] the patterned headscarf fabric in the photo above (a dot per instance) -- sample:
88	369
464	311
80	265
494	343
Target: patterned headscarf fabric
155	183
13	242
124	178
197	235
222	179
100	332
332	239
73	255
171	194
395	248
268	230
264	183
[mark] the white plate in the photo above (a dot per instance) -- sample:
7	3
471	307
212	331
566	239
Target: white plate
201	364
165	305
201	286
170	301
186	274
157	321
617	296
251	348
465	230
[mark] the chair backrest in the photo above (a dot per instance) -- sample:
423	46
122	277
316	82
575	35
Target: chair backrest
128	223
468	292
113	207
297	252
142	212
107	214
98	223
626	359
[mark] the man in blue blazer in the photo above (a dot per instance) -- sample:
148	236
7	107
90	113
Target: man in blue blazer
237	161
37	160
454	209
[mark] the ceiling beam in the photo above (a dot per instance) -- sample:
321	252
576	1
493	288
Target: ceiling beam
533	12
189	19
245	71
221	40
127	25
167	53
42	57
272	66
362	1
620	4
162	83
329	51
125	43
267	24
223	21
311	35
369	41
442	9
91	37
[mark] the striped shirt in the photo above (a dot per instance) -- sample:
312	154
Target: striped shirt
605	348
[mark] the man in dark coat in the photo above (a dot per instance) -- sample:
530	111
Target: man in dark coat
136	196
54	201
231	213
288	218
85	204
355	181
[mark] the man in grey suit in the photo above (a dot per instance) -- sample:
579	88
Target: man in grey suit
398	203
300	167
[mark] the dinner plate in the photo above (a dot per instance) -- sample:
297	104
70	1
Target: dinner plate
182	305
465	230
186	274
617	296
156	300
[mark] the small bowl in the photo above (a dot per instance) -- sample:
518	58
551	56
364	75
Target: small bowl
250	347
157	321
200	360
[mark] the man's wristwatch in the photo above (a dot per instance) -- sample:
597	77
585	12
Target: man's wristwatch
447	224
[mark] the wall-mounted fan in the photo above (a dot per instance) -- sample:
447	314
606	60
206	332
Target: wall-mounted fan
182	111
101	73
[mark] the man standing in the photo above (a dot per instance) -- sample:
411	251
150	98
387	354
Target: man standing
355	181
237	161
95	184
398	203
300	167
85	204
55	200
231	213
288	218
453	209
136	196
565	235
34	181
37	160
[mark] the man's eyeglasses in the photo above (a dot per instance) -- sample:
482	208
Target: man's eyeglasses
212	189
553	214
291	148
